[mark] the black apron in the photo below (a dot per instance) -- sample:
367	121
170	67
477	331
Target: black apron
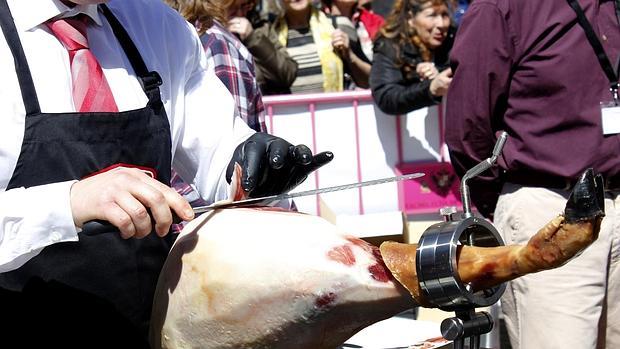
96	292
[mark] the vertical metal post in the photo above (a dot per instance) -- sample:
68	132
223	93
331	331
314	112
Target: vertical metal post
474	342
492	339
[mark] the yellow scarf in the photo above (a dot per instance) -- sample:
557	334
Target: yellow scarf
331	65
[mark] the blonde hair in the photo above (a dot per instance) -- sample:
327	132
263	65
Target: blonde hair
201	13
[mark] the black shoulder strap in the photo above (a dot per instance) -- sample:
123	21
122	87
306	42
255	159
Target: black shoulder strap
29	94
334	22
596	45
149	79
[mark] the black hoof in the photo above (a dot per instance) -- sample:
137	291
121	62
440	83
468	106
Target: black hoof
587	200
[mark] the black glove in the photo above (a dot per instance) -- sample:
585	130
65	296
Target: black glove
270	165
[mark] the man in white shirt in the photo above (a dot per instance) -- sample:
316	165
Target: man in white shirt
61	167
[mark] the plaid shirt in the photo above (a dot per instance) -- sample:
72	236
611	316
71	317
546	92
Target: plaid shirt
234	65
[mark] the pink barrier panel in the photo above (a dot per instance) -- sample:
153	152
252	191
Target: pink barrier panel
310	101
437	189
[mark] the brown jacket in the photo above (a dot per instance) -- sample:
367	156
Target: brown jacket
275	69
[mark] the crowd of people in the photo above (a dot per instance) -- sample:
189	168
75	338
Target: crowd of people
329	46
183	82
305	46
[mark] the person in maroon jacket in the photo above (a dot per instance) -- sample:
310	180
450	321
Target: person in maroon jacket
527	67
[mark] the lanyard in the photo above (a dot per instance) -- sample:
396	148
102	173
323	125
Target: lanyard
597	46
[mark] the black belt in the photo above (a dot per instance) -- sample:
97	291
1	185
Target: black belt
612	183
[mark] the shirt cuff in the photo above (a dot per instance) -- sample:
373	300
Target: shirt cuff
37	217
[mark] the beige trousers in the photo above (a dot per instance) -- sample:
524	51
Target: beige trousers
574	306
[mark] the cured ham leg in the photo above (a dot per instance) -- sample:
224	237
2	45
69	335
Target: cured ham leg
269	278
556	243
485	267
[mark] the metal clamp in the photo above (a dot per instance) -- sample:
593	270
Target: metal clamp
437	268
436	264
466	325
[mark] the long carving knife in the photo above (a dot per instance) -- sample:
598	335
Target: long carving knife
95	227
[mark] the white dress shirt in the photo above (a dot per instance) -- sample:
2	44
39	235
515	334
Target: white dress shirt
205	129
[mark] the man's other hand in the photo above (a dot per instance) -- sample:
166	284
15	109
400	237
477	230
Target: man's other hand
270	165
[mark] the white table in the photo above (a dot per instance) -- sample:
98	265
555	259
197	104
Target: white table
393	333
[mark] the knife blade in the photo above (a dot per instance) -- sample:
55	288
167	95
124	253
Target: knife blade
96	227
265	200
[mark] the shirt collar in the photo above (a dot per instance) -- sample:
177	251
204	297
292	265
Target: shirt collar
32	13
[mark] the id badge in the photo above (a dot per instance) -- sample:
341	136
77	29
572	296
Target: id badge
610	113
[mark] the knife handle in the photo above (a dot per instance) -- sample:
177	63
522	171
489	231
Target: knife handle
97	227
100	226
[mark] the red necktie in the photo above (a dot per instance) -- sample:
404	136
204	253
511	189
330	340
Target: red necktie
91	92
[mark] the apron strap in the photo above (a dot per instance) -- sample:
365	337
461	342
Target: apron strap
29	94
150	80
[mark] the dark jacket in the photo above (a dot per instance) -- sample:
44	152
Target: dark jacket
275	69
394	90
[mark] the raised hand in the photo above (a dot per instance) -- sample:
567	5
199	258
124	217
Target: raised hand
341	45
426	70
441	82
240	26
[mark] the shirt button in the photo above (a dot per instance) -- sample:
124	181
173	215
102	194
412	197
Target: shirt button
604	37
55	236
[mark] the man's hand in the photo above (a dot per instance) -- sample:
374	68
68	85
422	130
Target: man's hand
439	85
124	198
270	165
240	26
